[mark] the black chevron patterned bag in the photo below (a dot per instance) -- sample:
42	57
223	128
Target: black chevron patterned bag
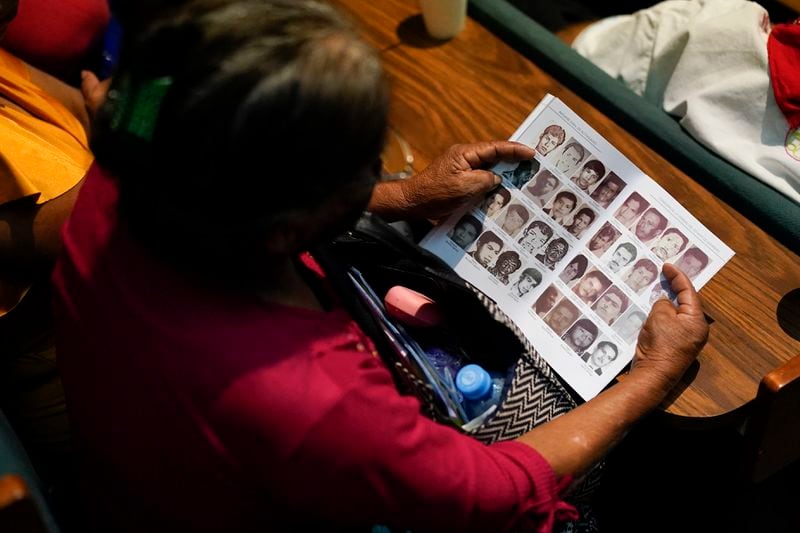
534	395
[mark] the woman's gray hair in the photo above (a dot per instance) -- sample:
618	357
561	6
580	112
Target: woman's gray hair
275	109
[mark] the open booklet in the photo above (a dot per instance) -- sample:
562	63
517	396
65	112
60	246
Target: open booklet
571	244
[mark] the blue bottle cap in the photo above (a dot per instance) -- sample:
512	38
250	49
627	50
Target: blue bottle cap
473	382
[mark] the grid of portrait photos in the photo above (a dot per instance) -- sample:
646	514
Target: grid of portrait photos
571	246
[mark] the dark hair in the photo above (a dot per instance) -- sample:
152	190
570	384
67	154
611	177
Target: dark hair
533	274
602	278
586	324
250	81
503	192
471	221
595	165
487	237
540	181
524	165
547	230
509	255
558	243
567	194
582	211
630	247
608	343
607	229
582	263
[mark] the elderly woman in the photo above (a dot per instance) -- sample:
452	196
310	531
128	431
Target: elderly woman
214	382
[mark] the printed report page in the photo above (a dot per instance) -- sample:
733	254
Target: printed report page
571	246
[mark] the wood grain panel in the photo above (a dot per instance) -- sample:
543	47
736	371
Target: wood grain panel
474	87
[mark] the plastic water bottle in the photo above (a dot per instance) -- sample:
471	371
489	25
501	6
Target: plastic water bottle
480	389
445	363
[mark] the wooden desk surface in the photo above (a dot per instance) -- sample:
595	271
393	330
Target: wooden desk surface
475	87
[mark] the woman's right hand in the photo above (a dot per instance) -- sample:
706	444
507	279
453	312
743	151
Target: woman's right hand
672	336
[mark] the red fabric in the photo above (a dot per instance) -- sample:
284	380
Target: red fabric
195	409
783	48
55	35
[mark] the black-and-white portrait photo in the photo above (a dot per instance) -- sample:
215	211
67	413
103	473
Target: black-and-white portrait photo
529	279
608	190
514	218
495	201
551	138
506	264
465	231
487	248
569	159
542	187
535	236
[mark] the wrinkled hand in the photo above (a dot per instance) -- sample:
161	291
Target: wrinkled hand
449	182
94	92
672	337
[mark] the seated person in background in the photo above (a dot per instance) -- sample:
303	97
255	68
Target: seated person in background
213	382
721	69
45	152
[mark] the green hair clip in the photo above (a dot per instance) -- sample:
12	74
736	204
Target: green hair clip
136	105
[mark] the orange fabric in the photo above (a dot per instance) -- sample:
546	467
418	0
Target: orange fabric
44	152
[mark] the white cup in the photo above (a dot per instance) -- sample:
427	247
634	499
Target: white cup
444	18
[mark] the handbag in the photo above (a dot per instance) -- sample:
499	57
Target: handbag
474	324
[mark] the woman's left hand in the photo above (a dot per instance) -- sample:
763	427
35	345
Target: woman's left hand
449	182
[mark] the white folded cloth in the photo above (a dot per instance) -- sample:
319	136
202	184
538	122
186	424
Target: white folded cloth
705	62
